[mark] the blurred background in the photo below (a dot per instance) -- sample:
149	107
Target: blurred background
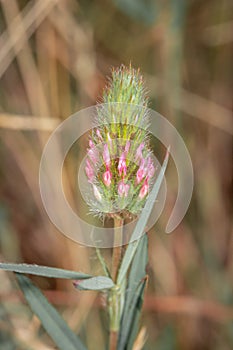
55	56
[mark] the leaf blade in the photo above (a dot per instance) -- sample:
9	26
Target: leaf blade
44	271
95	283
128	330
137	273
51	320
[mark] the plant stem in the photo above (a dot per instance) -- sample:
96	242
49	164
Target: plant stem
117	249
115	296
113	340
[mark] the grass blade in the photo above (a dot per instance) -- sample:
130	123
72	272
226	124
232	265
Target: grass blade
129	329
53	323
43	271
138	266
137	273
141	224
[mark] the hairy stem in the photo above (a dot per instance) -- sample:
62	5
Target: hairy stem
115	294
117	249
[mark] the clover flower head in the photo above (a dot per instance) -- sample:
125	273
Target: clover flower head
119	166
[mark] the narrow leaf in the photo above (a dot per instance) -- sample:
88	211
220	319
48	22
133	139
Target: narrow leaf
137	273
138	266
43	271
128	329
94	283
102	262
141	224
53	323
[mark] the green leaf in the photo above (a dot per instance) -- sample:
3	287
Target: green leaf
53	323
137	273
129	328
102	262
138	266
95	283
43	271
141	224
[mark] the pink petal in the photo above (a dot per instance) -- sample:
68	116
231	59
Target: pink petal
99	134
91	144
122	168
141	171
89	171
93	155
107	176
127	146
151	171
106	155
139	151
144	190
149	168
140	175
